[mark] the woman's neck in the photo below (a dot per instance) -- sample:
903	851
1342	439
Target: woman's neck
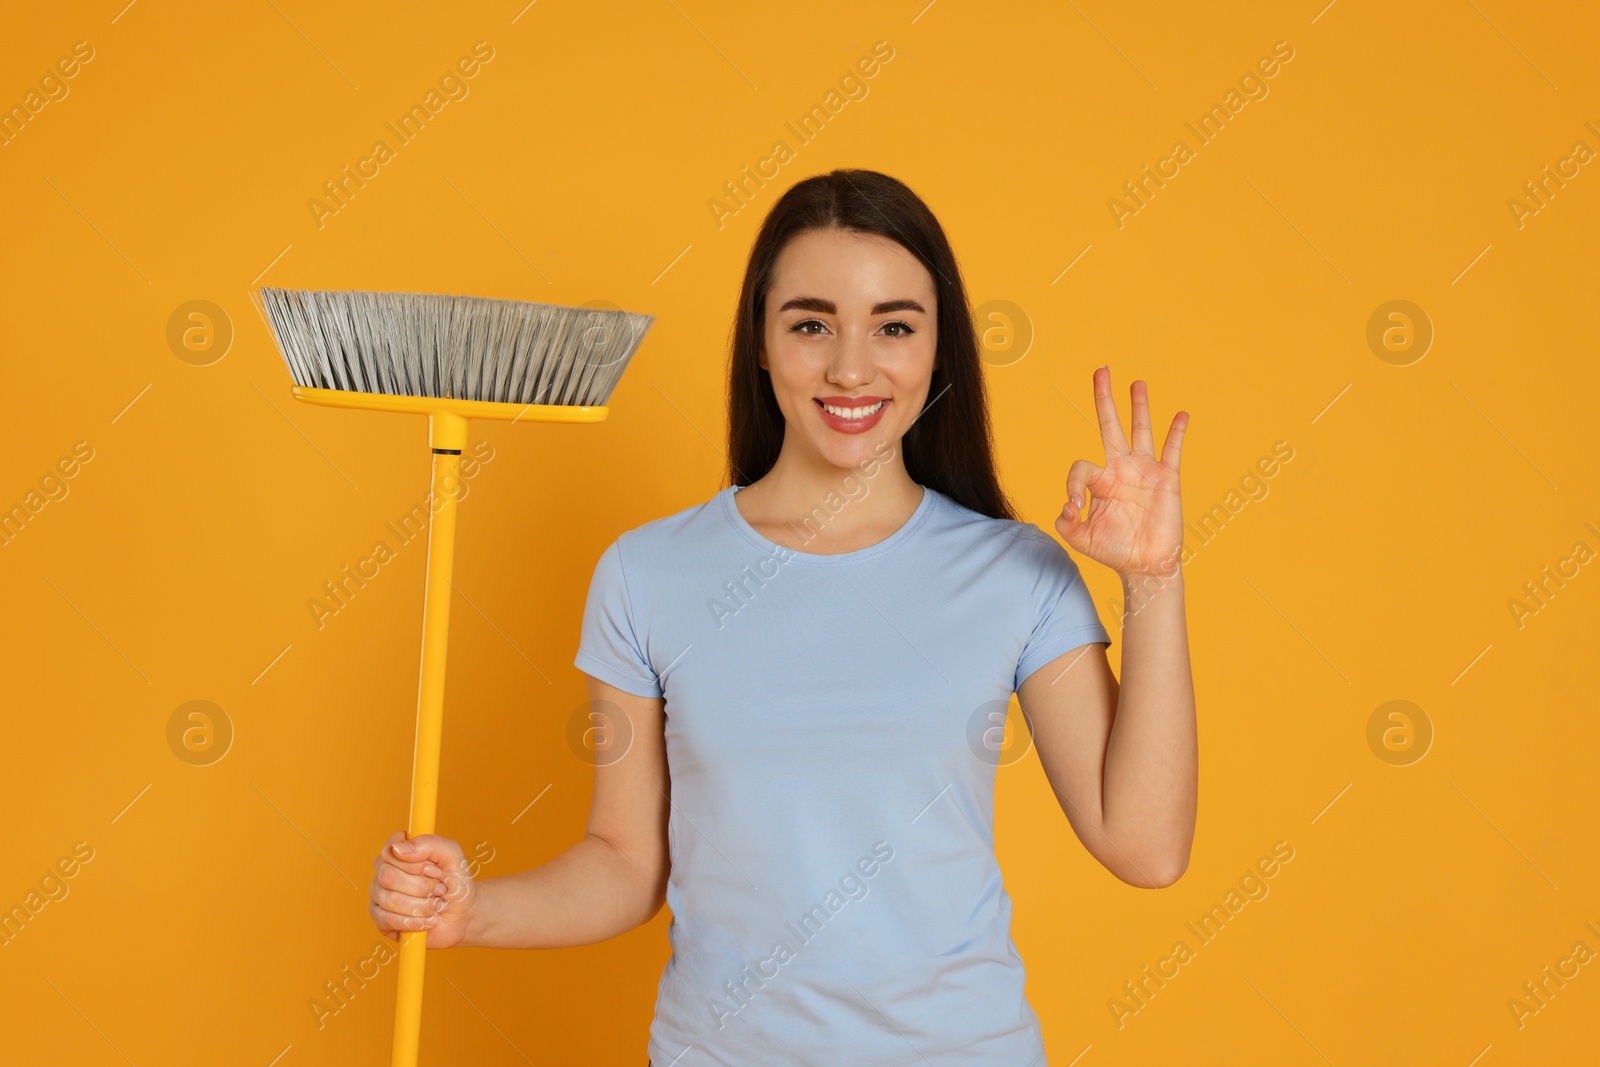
824	509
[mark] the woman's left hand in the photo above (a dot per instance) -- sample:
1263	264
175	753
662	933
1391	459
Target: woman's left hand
1135	522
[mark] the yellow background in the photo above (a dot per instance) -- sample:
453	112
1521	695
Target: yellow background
1380	566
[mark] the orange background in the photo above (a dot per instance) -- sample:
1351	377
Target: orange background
1379	565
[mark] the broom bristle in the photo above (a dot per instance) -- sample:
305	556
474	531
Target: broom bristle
465	347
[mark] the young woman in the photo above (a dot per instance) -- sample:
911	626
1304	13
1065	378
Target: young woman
805	679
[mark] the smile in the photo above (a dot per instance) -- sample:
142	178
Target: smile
851	418
852	413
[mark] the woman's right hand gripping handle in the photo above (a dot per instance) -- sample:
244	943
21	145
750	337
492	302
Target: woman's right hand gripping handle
423	884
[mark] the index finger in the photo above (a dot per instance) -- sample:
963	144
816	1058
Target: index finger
1106	408
417	863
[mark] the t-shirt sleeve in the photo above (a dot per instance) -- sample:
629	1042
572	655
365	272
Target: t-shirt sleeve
609	647
1063	612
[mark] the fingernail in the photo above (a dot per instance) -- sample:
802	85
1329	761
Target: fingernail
439	905
404	846
431	871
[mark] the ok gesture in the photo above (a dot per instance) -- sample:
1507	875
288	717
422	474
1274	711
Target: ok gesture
1135	521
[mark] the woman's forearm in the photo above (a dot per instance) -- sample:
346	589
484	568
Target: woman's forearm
589	893
1151	780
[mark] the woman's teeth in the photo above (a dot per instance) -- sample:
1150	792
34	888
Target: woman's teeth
853	413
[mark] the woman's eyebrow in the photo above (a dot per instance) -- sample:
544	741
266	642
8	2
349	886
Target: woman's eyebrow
827	307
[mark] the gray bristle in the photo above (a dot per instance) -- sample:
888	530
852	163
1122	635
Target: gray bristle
466	347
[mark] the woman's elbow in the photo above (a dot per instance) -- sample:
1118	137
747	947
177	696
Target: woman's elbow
1169	873
1154	874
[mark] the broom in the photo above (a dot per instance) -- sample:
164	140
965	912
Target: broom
451	358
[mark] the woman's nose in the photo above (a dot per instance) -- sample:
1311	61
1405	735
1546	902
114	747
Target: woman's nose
851	363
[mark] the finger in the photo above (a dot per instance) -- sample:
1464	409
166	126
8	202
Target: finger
388	920
457	887
388	858
1073	529
391	877
1079	477
1143	444
1173	448
406	905
442	852
1106	409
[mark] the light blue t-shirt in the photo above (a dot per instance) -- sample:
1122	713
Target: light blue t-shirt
832	729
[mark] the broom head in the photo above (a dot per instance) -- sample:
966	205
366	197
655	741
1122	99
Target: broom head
473	355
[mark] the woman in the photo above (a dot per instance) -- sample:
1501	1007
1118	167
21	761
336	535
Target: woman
806	677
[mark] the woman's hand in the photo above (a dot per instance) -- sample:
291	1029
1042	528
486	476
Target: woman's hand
1135	522
422	884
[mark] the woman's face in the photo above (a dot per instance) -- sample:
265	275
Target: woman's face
850	323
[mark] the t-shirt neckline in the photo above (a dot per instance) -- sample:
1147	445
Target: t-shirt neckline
918	516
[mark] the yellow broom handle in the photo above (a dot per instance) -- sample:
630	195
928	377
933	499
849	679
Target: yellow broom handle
446	431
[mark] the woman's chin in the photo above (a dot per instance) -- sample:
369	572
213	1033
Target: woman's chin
850	450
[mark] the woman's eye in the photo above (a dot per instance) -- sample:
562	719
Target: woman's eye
900	329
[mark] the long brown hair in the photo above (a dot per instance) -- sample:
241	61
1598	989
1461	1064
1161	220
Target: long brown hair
948	447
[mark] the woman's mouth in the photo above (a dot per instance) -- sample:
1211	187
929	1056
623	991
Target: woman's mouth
851	414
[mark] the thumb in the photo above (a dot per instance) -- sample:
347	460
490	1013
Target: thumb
442	852
1074	529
